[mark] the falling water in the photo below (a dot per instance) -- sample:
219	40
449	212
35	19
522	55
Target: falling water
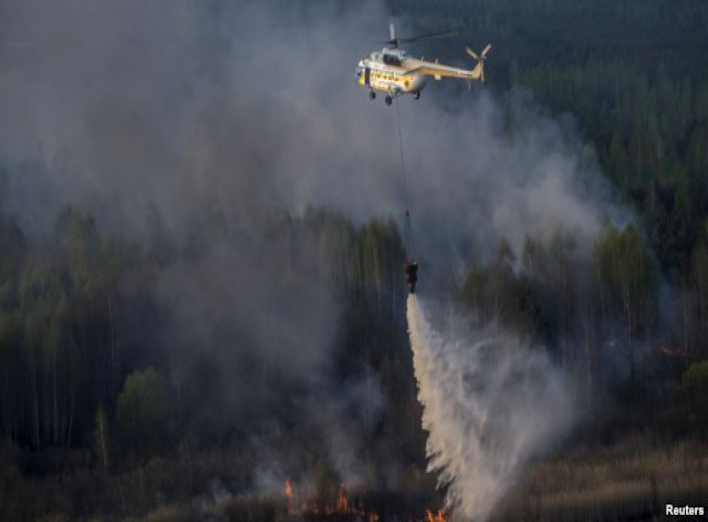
489	404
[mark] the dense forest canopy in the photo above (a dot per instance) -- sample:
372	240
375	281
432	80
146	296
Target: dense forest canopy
634	76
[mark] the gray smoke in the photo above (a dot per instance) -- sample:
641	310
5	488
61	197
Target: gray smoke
188	106
163	115
489	405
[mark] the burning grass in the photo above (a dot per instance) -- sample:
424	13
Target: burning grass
278	508
300	503
629	480
357	505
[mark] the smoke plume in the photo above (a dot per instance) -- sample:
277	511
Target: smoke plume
490	404
178	108
162	118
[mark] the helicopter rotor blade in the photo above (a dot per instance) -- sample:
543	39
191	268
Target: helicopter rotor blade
486	50
472	53
395	42
431	36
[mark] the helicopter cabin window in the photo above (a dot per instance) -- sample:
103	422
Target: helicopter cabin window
389	59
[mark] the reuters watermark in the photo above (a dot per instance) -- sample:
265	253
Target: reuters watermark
696	511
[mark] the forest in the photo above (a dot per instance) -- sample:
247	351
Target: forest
111	408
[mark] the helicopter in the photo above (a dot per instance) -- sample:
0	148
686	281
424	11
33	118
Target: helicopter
392	71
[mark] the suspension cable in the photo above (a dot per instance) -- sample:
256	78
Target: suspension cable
408	243
403	164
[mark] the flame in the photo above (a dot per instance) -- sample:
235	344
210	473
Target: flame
342	500
292	510
301	503
439	517
676	352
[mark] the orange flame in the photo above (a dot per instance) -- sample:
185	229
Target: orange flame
292	510
677	352
342	500
439	517
300	502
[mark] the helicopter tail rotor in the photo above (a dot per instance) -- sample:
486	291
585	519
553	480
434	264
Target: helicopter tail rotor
478	71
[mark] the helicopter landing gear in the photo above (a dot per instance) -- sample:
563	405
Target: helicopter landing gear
416	95
372	95
388	100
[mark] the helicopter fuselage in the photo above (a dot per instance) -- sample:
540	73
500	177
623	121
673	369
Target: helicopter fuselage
391	71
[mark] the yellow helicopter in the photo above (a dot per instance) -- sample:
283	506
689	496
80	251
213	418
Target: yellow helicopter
393	71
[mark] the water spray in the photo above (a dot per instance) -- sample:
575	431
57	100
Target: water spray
489	405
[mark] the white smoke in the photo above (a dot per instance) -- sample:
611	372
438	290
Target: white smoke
489	405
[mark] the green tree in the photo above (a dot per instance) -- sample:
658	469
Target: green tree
145	409
628	282
695	380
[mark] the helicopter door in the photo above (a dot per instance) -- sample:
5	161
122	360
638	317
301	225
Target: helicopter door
367	76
